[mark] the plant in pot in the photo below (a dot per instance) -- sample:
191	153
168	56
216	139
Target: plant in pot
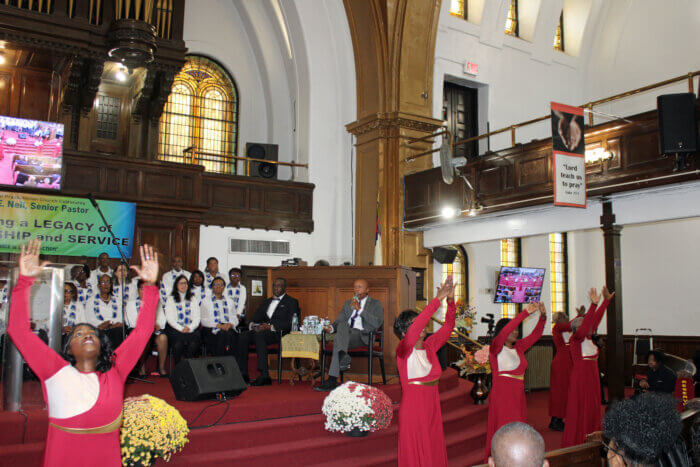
357	409
151	429
475	365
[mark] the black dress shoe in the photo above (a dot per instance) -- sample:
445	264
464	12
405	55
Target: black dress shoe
329	385
246	378
262	381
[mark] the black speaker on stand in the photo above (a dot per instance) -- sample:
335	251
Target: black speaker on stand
267	152
678	126
205	378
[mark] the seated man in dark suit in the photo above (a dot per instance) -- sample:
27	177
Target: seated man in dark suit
660	378
360	315
273	315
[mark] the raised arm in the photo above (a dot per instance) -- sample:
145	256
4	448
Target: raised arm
40	357
421	321
582	331
500	340
528	341
438	339
128	353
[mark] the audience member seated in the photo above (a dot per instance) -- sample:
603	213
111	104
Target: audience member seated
517	444
183	316
212	271
73	310
660	378
359	316
236	292
102	268
103	311
220	323
121	273
166	284
161	340
273	316
199	290
80	276
643	431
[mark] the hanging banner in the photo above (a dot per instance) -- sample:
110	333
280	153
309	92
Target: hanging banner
65	226
569	154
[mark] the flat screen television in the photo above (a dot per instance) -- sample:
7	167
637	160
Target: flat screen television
31	153
519	285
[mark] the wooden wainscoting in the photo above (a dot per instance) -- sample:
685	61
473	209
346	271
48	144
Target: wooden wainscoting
323	290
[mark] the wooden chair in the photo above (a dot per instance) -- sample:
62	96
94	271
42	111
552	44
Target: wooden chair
370	352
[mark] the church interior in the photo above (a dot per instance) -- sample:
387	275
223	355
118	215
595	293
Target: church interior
413	147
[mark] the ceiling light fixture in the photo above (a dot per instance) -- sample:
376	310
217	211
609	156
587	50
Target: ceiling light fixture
448	212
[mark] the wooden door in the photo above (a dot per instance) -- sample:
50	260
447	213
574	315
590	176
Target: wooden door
258	274
460	112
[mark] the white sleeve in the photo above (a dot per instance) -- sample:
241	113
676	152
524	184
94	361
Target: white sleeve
160	316
233	317
90	315
196	316
80	315
240	310
207	319
131	314
171	314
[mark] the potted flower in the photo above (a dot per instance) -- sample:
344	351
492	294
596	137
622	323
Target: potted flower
152	428
475	365
357	409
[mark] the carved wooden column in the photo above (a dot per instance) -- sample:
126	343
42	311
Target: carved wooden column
394	45
615	345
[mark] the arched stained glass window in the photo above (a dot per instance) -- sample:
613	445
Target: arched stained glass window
201	115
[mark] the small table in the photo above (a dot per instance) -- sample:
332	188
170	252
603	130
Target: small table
302	346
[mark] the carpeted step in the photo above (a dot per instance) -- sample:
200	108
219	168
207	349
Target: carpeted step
295	428
466	431
26	455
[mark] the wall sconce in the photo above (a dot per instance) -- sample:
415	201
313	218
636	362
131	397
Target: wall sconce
598	155
448	212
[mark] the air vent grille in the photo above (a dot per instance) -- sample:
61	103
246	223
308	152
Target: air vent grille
260	247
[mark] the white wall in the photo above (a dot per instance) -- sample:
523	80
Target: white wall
300	102
641	42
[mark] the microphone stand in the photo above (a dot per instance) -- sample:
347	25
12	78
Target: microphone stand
125	262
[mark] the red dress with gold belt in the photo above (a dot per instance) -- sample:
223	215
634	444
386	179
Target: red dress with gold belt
583	404
421	439
560	371
85	409
507	398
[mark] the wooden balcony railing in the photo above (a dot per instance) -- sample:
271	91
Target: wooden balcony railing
588	106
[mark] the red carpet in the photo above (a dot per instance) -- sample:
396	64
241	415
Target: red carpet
283	425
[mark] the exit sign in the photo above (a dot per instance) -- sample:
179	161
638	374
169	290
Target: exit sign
471	68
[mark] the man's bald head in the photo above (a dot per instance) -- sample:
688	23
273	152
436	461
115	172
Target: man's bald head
517	445
361	288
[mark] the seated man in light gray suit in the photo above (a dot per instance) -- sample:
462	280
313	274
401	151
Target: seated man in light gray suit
360	315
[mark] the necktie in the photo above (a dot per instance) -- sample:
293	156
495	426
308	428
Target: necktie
354	317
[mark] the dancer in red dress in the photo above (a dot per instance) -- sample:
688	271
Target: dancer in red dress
508	364
560	372
421	439
84	392
583	404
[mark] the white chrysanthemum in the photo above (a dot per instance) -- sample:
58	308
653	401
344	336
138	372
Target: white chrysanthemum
345	409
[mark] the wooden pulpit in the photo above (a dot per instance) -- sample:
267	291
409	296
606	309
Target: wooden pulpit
322	291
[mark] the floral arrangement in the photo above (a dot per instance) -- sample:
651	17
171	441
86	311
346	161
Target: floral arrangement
151	429
355	405
466	317
474	362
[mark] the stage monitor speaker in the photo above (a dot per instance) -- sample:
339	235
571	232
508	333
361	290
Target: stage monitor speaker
262	151
203	378
444	255
678	127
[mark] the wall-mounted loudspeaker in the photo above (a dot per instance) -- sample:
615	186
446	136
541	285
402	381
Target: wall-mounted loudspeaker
444	255
678	126
267	152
